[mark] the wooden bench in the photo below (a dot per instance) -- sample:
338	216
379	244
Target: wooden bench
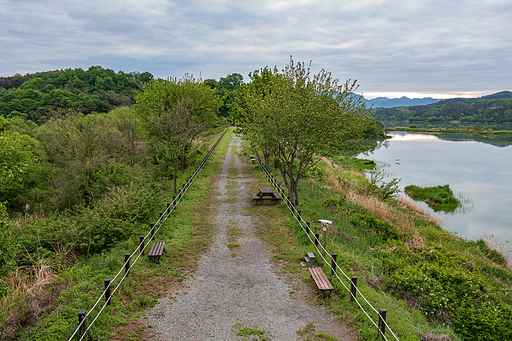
156	251
321	281
273	198
266	193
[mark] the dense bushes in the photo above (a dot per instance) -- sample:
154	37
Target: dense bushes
449	287
88	230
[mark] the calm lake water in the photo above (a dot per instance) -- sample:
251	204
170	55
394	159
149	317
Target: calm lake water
480	173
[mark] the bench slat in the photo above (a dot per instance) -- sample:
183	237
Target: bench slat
321	281
156	251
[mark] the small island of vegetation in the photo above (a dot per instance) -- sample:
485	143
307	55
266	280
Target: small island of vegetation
439	198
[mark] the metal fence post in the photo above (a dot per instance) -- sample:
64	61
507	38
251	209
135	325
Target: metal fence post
334	256
141	245
82	323
316	238
307	227
382	322
152	231
107	291
168	209
127	263
353	286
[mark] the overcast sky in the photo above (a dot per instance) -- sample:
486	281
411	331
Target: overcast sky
417	48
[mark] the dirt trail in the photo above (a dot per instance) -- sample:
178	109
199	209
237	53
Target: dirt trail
235	289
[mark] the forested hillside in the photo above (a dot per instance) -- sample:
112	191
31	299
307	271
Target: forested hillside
38	96
490	110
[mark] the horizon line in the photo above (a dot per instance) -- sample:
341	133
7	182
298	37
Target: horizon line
412	95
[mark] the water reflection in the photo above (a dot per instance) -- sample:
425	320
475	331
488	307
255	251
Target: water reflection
476	170
495	140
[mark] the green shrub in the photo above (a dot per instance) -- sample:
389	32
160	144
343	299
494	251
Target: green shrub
382	228
439	198
92	230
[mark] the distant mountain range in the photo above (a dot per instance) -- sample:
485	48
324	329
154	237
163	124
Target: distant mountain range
384	102
495	109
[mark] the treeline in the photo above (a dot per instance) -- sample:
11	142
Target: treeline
492	109
38	96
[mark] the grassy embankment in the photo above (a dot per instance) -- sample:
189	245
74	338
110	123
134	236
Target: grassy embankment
434	285
44	305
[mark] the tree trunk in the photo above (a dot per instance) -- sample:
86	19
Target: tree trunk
175	174
294	194
266	157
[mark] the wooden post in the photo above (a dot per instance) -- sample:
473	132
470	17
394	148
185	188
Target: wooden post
141	245
168	209
152	231
127	263
307	227
334	256
298	215
107	291
316	238
161	215
353	286
82	322
175	204
382	322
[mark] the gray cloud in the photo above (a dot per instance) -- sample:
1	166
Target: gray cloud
415	46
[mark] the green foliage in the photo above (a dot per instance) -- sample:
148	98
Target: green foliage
173	113
86	155
385	189
226	88
492	109
448	288
7	247
90	230
37	96
298	118
374	225
439	198
19	161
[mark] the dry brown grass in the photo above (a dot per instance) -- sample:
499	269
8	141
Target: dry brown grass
383	211
374	206
33	292
410	205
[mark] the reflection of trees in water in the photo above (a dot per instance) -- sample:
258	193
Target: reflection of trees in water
366	147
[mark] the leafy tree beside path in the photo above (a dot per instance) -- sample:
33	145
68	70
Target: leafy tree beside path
297	118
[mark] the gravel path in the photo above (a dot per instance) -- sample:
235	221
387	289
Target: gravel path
236	288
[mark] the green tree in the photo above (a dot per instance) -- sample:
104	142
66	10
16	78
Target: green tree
174	112
19	158
85	154
301	118
7	246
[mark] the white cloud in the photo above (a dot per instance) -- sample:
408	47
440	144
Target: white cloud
416	46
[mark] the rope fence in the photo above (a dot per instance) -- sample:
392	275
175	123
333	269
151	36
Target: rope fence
381	325
83	328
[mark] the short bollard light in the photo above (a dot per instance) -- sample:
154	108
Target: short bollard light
324	223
